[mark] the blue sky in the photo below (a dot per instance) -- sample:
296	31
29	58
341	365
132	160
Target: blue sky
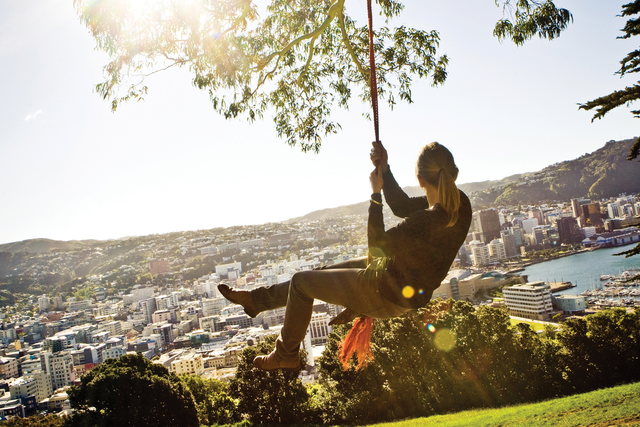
71	169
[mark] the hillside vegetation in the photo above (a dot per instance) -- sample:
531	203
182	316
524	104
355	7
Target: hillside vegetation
605	172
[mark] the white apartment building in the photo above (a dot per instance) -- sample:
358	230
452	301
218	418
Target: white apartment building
480	254
79	305
114	328
60	367
164	302
497	250
37	384
614	210
223	269
8	334
319	328
148	308
8	367
23	387
209	323
140	294
188	363
531	300
114	353
43	303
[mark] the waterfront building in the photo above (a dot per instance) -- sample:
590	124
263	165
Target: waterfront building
570	304
614	210
531	300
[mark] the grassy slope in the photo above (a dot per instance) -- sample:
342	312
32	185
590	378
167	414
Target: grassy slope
607	407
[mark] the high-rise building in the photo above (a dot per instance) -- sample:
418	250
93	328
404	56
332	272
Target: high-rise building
614	210
537	214
496	250
60	367
509	241
529	224
43	303
568	230
148	308
488	224
479	253
518	233
576	206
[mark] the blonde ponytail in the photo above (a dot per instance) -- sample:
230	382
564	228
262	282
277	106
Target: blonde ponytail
437	167
449	196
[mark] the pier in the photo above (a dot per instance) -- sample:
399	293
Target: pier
560	286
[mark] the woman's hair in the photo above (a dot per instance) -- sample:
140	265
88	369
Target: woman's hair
436	167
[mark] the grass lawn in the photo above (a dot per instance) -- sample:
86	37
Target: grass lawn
617	406
536	326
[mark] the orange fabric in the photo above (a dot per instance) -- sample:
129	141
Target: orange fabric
358	340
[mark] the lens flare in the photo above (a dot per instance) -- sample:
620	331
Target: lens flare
445	339
431	328
408	292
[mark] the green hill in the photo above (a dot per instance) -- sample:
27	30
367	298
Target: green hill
605	172
616	406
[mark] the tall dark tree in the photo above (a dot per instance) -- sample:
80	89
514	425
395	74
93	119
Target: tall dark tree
132	391
301	58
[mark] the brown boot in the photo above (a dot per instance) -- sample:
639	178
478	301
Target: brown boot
273	362
240	297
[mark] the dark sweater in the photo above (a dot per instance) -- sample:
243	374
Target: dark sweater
418	252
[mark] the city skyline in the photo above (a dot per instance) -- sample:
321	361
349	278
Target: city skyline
72	170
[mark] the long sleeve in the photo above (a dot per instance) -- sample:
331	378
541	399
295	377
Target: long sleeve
399	202
375	226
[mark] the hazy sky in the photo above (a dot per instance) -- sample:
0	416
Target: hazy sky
71	169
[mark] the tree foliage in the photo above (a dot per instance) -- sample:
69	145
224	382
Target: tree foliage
299	60
213	403
132	391
276	397
450	357
629	64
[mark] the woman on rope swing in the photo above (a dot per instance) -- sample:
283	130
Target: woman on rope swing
410	260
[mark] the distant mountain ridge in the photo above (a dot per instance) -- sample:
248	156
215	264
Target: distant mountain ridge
40	246
603	173
412	191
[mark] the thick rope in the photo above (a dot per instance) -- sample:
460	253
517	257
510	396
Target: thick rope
358	340
372	74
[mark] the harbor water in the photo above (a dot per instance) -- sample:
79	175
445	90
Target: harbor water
585	269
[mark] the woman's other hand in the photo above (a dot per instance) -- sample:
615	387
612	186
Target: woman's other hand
379	156
376	180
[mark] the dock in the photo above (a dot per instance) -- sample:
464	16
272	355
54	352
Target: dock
560	286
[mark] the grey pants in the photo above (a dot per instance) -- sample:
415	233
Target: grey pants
336	284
